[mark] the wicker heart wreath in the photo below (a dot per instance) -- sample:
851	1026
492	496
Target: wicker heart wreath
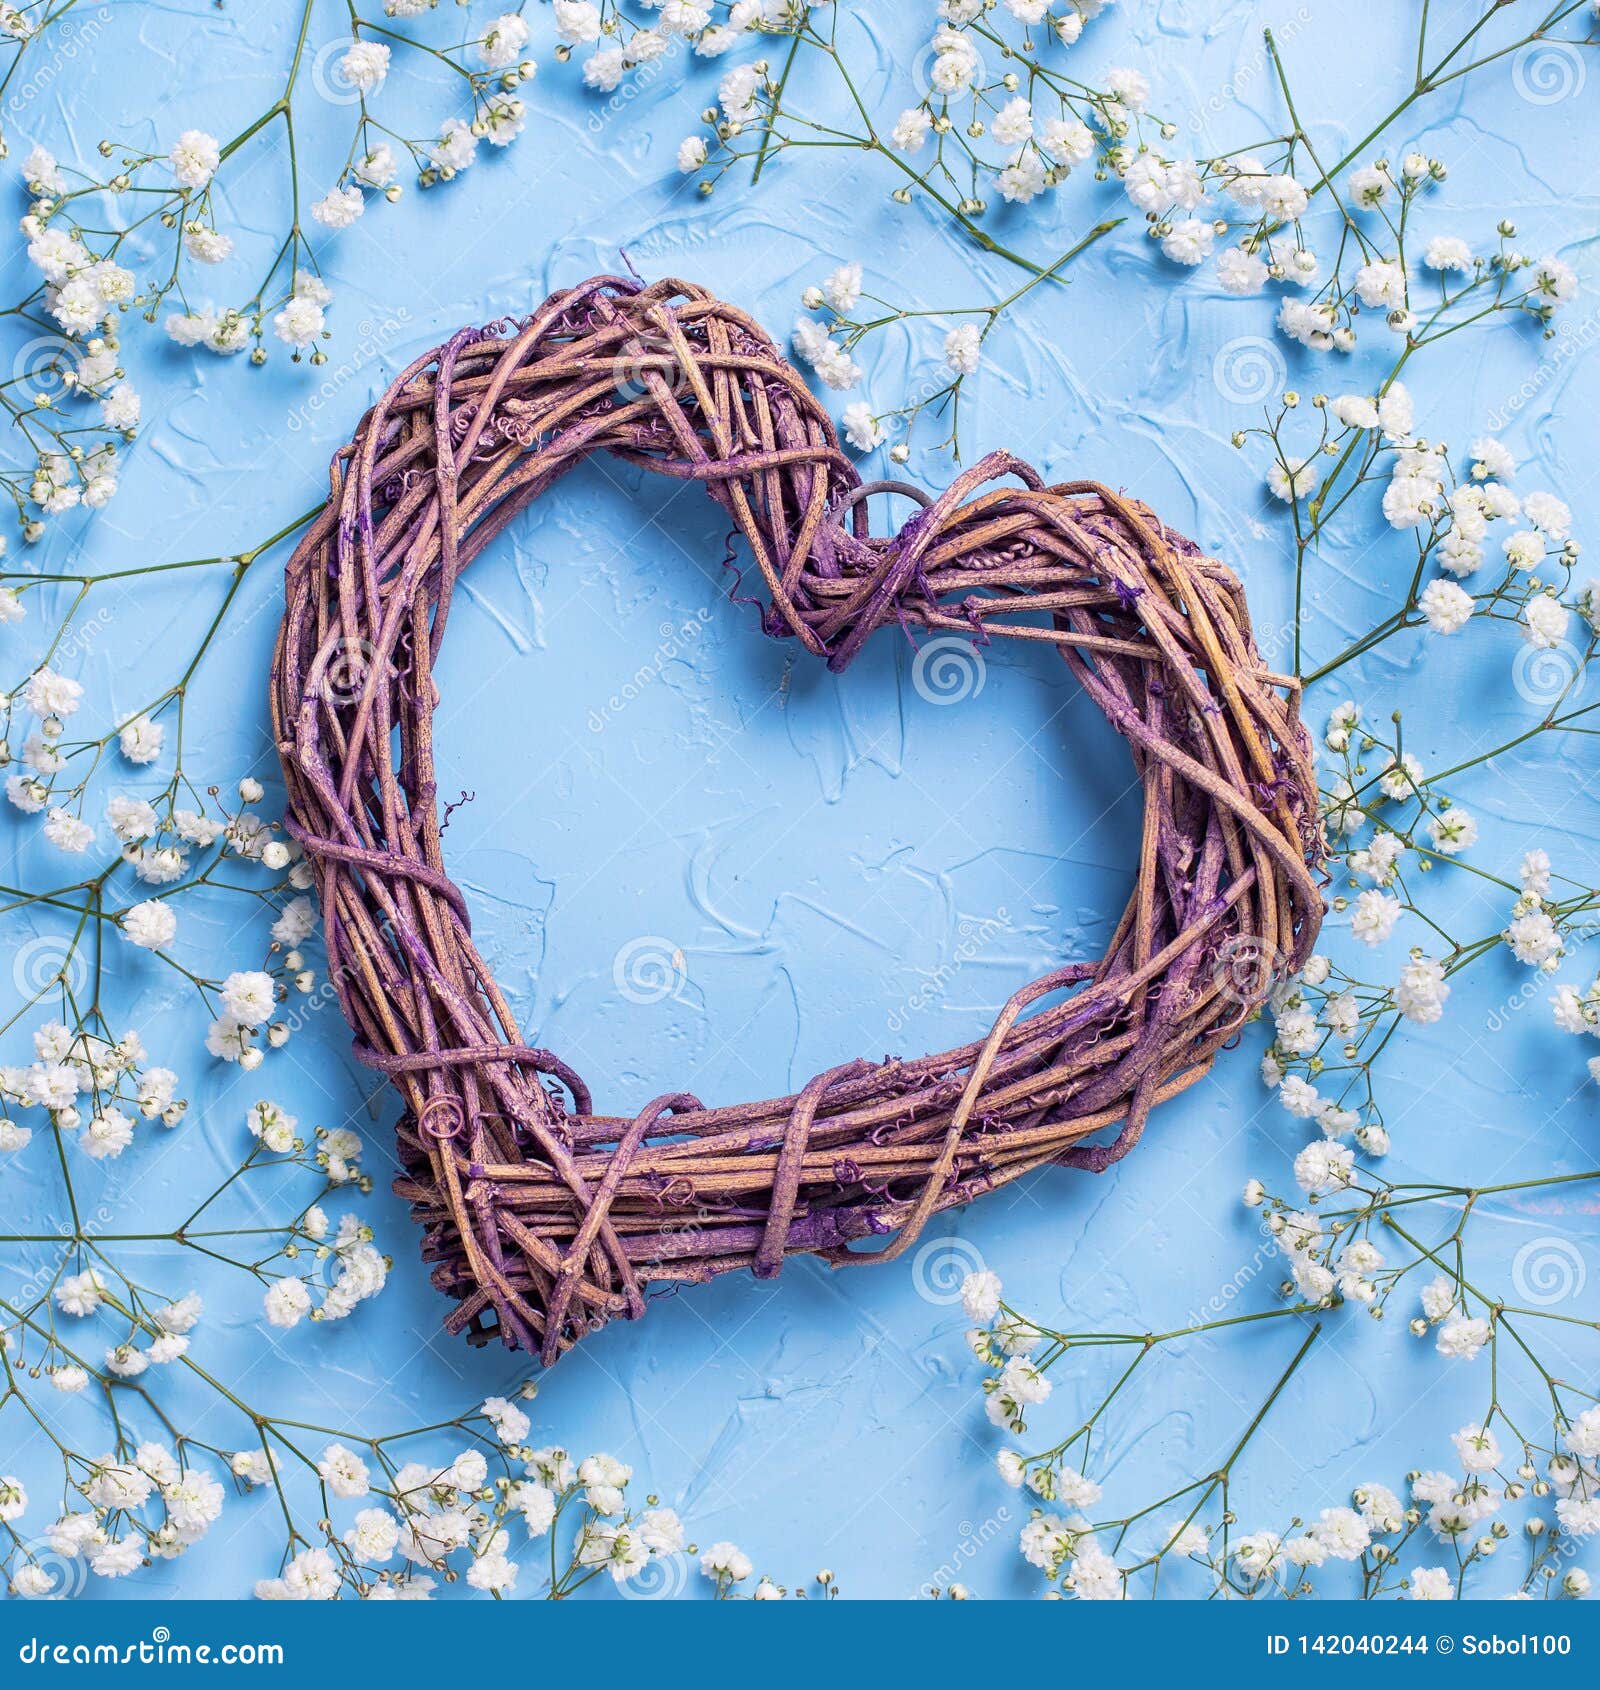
546	1218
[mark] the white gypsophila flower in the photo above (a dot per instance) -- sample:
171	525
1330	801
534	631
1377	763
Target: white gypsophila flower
911	130
1189	241
962	348
1421	993
344	1472
1241	272
1554	282
300	321
248	997
1023	180
1013	123
338	209
980	1295
1324	1166
1447	252
364	65
195	157
842	288
726	1561
1067	141
1453	831
286	1301
1127	87
510	1424
1462	1339
1545	622
1290	479
861	428
376	168
1446	606
150	925
577	22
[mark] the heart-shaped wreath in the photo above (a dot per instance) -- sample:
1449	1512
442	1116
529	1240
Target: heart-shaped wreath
547	1218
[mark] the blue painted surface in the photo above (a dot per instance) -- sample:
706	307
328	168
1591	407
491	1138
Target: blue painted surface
817	847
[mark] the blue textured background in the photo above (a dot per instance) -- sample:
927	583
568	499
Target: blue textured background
816	846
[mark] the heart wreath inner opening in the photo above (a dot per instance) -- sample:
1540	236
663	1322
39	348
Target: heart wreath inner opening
545	1217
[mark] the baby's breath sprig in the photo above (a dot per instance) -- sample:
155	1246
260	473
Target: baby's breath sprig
1350	1241
145	232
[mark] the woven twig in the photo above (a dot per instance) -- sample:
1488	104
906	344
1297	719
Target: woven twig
546	1218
